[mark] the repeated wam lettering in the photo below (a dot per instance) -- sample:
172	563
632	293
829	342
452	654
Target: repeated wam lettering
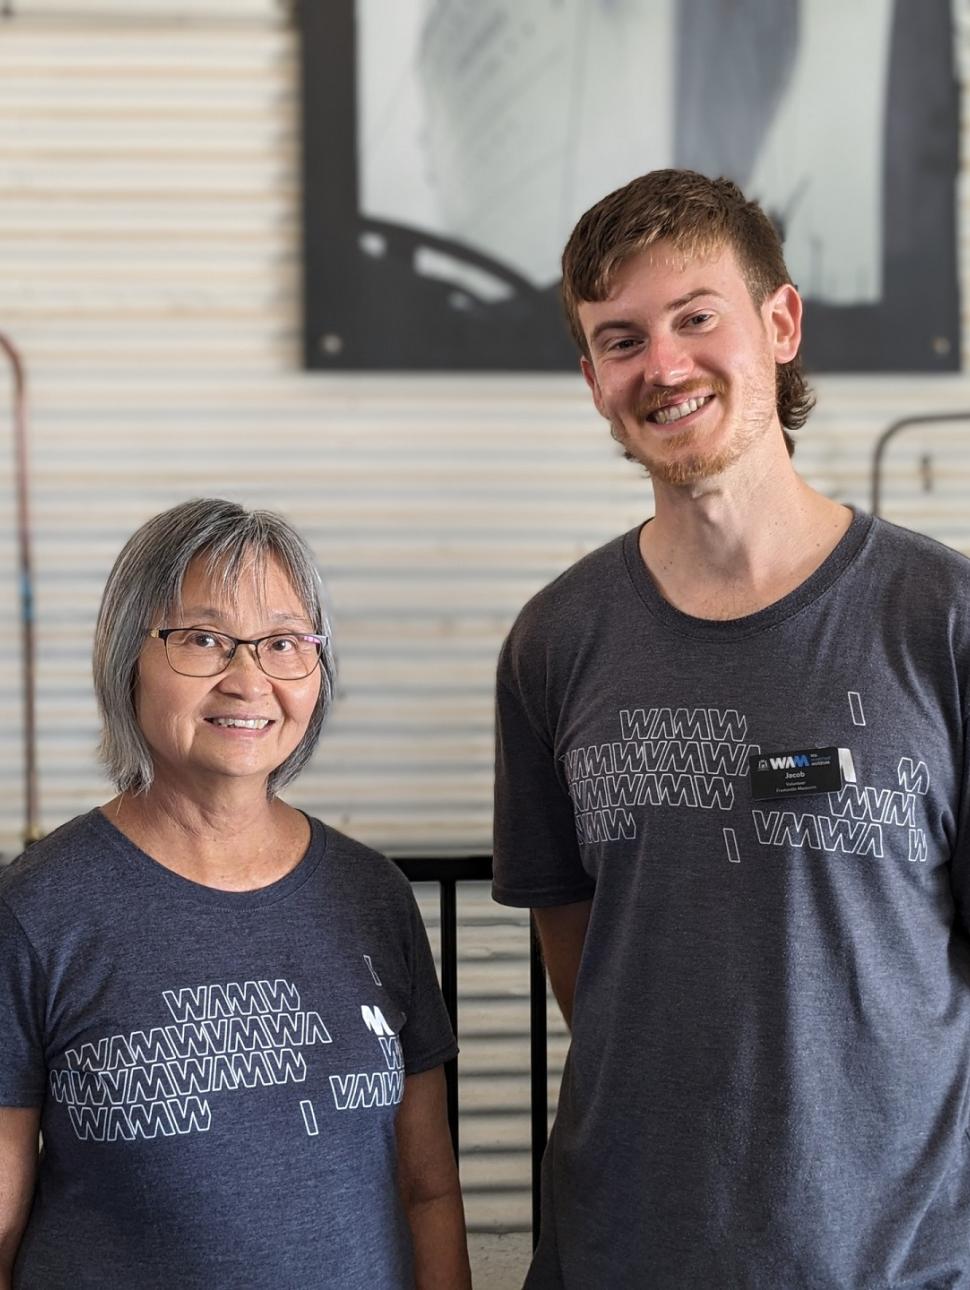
223	1038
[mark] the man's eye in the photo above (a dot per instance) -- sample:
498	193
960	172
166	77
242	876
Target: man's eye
698	320
624	342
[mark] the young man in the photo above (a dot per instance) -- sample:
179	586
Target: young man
731	783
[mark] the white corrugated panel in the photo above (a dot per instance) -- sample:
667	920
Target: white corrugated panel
149	262
149	272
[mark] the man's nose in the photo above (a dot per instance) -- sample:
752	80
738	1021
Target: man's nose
666	360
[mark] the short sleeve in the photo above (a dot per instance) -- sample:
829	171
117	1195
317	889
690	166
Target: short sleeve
427	1038
960	859
22	1066
536	855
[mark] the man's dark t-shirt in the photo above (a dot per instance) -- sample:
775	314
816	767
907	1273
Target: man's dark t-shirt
768	1086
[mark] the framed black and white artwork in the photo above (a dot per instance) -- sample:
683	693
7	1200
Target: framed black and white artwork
451	145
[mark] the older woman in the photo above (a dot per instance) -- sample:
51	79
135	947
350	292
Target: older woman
223	1015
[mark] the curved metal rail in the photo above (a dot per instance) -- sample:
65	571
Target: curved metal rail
32	830
883	441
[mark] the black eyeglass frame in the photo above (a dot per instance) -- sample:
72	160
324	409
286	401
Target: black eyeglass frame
163	633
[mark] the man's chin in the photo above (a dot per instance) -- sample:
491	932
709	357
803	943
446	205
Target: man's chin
691	468
682	463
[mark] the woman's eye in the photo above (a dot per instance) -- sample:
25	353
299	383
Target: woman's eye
282	644
204	640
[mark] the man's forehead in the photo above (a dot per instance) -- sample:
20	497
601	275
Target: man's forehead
668	260
657	279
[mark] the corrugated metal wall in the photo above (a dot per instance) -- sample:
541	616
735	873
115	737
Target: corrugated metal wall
149	271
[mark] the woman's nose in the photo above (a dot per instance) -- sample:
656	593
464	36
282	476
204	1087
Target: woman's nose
244	672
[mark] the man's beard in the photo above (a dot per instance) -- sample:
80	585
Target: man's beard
690	467
676	466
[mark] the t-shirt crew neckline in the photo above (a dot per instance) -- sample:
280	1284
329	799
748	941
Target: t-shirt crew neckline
828	573
197	891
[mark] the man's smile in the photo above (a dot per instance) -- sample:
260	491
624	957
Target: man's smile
675	411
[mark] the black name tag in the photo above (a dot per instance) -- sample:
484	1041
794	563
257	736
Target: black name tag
789	774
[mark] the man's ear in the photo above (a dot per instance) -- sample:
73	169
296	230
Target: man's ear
589	375
782	312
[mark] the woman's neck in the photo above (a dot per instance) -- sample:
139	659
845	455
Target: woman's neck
237	842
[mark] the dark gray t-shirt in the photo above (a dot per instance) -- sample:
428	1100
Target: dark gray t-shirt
768	1086
219	1071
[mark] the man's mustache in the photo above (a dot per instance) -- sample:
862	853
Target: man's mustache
672	395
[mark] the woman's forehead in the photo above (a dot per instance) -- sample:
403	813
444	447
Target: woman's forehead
254	583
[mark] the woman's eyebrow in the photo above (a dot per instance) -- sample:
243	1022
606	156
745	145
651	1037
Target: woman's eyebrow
210	613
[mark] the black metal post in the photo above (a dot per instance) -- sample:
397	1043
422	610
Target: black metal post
539	1070
448	871
449	988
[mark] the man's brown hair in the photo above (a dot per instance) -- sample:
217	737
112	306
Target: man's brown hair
697	216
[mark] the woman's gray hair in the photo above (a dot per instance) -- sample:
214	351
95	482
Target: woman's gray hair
145	586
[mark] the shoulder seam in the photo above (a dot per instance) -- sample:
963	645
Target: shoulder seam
27	941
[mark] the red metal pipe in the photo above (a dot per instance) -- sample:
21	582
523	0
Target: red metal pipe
32	830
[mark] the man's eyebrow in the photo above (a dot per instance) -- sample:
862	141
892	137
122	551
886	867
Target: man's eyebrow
626	324
612	324
692	295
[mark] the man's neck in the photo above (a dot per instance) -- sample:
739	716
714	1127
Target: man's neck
728	547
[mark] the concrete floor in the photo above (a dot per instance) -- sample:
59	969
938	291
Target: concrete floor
499	1262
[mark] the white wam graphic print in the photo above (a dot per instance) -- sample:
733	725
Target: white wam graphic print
693	758
357	1089
680	757
224	1038
857	818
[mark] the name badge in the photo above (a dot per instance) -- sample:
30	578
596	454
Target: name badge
790	774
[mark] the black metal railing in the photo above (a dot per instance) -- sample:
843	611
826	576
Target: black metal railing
447	872
882	443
